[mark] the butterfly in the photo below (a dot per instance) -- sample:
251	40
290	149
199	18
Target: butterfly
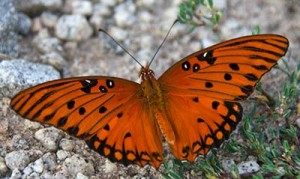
194	104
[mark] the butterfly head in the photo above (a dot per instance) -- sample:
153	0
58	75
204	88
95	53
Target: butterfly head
146	73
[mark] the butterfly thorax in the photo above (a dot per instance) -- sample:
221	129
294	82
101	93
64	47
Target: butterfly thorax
153	94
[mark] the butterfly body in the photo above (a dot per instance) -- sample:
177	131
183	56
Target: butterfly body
194	104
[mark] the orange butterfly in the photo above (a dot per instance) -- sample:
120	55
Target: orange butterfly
194	104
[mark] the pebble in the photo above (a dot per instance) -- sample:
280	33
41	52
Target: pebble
66	144
100	10
47	45
76	164
81	176
34	7
145	16
49	160
124	14
9	24
62	154
19	74
298	122
83	7
248	167
49	19
49	137
24	24
16	174
17	159
54	59
109	3
73	27
118	33
3	167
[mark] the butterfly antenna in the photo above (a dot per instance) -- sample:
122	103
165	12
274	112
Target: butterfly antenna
101	30
163	41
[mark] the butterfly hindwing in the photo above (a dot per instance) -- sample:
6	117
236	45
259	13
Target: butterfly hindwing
104	111
206	123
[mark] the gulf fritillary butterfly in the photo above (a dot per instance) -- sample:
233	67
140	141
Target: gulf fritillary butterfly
194	104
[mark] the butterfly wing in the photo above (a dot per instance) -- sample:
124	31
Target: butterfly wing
106	112
204	88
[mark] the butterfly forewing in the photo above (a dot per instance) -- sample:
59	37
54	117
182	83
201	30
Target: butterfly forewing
229	70
106	112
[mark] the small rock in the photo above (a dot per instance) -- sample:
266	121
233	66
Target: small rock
118	33
145	16
124	14
96	22
67	144
76	164
298	122
49	19
38	166
81	176
248	167
73	27
15	174
19	74
35	7
54	59
17	159
24	23
146	4
47	45
100	10
49	137
83	7
62	154
109	166
9	24
3	167
49	161
109	3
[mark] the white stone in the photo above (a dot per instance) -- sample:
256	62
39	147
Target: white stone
118	33
49	160
109	167
109	3
38	166
81	176
49	137
76	164
49	19
3	167
17	159
54	59
124	14
101	10
15	174
145	16
73	27
248	167
96	21
67	144
47	45
82	7
62	155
